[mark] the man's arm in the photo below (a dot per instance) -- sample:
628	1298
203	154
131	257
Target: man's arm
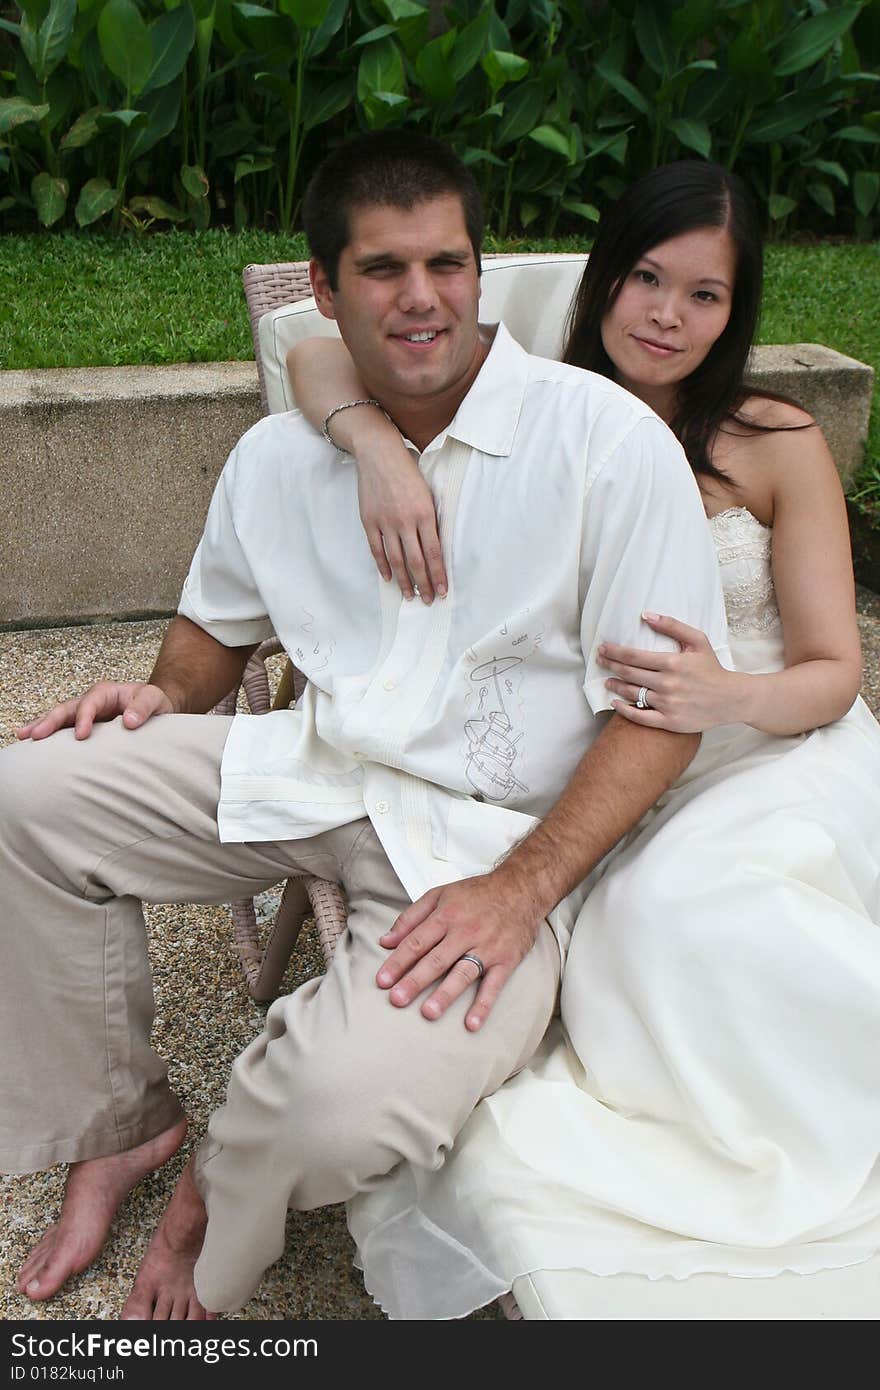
195	670
498	915
192	672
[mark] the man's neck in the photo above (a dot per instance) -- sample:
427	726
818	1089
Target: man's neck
421	419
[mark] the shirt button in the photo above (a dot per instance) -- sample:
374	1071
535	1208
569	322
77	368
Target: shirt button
389	685
383	807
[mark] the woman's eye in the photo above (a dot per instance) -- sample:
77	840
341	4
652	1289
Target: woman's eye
706	297
647	277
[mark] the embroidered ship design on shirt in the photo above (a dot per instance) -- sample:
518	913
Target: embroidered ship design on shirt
492	743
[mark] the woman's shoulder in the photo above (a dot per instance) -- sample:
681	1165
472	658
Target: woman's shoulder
766	432
770	413
771	451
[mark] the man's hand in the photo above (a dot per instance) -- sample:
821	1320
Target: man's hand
192	672
497	916
484	917
134	700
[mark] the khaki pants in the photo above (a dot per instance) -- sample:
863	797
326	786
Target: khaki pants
340	1086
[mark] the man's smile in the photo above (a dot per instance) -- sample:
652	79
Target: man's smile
419	338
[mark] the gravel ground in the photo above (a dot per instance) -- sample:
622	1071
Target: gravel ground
203	1019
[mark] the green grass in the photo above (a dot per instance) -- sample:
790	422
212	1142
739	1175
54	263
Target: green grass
91	301
83	300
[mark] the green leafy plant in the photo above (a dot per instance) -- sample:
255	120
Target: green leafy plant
193	112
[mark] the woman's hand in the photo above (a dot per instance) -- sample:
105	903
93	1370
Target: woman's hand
687	691
396	505
399	517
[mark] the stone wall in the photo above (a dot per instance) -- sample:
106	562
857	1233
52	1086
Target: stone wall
106	474
835	389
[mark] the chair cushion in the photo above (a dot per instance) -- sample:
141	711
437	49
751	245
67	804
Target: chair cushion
532	294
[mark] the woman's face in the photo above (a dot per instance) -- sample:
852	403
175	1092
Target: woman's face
674	304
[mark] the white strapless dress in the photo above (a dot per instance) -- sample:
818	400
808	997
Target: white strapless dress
710	1101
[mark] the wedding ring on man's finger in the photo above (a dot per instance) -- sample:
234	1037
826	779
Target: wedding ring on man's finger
642	698
475	960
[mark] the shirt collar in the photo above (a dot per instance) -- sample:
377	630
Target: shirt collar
488	416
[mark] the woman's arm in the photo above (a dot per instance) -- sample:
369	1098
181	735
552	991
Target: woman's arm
812	573
396	505
815	591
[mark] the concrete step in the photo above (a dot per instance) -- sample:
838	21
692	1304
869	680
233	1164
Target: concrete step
106	472
834	1295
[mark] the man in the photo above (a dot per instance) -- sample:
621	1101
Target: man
429	743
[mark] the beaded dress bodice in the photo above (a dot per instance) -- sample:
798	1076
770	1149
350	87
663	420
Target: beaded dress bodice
742	544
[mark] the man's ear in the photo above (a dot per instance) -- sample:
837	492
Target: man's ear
321	289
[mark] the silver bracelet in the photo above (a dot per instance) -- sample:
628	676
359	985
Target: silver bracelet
346	405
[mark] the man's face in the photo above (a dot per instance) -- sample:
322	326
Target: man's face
406	305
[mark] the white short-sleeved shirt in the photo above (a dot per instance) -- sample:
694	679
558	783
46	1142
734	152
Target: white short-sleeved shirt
566	510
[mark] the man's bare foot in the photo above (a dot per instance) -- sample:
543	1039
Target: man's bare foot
164	1288
95	1188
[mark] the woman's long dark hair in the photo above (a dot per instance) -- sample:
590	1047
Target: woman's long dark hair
673	199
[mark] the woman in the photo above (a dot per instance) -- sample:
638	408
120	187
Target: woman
714	1101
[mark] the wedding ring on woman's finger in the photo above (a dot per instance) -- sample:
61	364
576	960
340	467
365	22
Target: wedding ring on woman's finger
642	698
475	960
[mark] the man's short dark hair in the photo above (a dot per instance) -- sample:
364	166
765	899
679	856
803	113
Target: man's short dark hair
390	168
